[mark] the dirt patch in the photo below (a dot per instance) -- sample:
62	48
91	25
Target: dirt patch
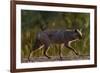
55	58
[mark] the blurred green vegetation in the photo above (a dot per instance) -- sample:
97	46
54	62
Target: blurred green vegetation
35	21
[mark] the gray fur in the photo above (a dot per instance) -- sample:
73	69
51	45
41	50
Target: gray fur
48	37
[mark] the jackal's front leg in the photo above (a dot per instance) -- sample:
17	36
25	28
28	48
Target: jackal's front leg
73	50
45	52
68	46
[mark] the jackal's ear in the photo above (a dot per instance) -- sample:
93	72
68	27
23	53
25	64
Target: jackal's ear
79	32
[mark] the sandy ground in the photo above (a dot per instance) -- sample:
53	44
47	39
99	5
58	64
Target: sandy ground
55	58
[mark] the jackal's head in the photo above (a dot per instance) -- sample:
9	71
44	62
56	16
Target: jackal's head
79	33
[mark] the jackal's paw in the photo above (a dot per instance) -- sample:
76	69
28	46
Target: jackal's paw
77	54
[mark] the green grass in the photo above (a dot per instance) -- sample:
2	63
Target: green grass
35	21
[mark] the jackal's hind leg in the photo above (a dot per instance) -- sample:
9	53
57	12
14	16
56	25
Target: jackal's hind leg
30	53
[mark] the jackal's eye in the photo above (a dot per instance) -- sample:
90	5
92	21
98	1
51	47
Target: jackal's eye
75	30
